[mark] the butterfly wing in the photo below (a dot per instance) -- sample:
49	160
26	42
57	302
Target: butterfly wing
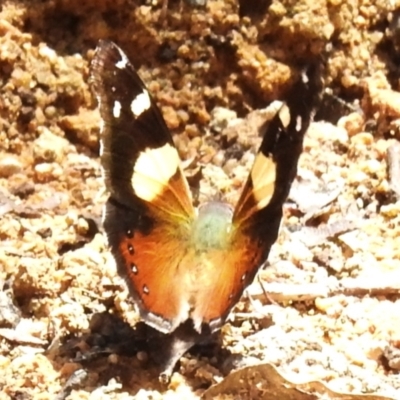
258	213
150	202
275	165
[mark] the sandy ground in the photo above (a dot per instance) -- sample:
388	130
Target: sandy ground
331	311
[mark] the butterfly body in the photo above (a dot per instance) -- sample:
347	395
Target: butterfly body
183	264
212	227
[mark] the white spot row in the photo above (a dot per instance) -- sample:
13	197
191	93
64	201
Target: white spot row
140	104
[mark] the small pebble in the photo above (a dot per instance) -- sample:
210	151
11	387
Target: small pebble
353	123
49	147
9	165
44	172
221	117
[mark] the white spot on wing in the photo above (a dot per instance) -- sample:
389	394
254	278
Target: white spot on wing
152	171
299	123
117	109
101	150
140	103
122	63
284	115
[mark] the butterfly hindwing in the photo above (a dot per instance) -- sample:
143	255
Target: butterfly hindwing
147	258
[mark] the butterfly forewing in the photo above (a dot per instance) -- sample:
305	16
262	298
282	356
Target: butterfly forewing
275	165
138	156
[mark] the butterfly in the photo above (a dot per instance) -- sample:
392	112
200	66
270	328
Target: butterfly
180	263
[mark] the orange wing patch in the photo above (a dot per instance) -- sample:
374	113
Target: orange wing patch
223	276
153	270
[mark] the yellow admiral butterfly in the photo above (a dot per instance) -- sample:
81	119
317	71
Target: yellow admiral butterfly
183	264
